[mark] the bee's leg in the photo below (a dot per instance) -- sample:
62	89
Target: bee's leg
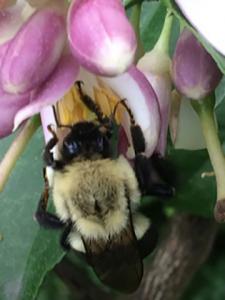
147	237
46	219
64	237
48	155
149	180
43	217
148	242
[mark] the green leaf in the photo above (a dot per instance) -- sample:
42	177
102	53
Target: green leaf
208	282
54	288
27	252
219	58
220	92
194	194
152	19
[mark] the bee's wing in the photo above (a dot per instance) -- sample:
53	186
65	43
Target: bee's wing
117	261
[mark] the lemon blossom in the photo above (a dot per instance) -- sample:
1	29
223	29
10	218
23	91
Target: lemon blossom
106	92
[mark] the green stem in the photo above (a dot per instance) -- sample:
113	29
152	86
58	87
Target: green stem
164	39
135	20
205	110
16	149
130	3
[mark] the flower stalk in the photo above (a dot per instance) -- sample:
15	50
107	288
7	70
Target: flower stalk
205	111
163	42
16	149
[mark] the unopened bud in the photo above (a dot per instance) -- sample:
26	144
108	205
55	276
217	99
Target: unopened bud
101	36
195	73
34	52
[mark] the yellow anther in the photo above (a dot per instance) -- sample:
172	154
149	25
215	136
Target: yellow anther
70	109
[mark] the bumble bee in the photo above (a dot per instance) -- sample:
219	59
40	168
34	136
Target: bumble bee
96	198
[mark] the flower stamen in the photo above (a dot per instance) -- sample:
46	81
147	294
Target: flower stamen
70	109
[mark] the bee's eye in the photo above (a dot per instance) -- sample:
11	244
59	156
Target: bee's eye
70	148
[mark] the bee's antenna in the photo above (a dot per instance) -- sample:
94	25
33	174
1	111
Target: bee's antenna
57	121
55	116
89	103
123	102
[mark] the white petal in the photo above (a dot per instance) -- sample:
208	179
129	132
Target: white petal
142	100
207	16
135	88
189	133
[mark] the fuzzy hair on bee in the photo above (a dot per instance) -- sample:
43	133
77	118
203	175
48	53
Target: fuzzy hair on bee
96	198
94	193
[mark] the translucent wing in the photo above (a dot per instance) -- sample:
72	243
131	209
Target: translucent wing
116	261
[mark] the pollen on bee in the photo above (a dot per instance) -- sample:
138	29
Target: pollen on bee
70	109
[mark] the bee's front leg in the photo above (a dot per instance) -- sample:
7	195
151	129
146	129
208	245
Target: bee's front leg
43	217
149	179
48	155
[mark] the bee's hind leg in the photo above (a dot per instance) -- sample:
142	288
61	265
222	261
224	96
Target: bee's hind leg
66	243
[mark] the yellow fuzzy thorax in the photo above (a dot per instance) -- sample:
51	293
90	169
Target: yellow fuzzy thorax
70	109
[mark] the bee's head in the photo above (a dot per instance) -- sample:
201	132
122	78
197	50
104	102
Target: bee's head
86	140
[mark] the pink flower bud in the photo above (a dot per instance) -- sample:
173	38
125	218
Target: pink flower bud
195	73
101	36
34	52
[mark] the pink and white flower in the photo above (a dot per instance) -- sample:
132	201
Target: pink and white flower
37	67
